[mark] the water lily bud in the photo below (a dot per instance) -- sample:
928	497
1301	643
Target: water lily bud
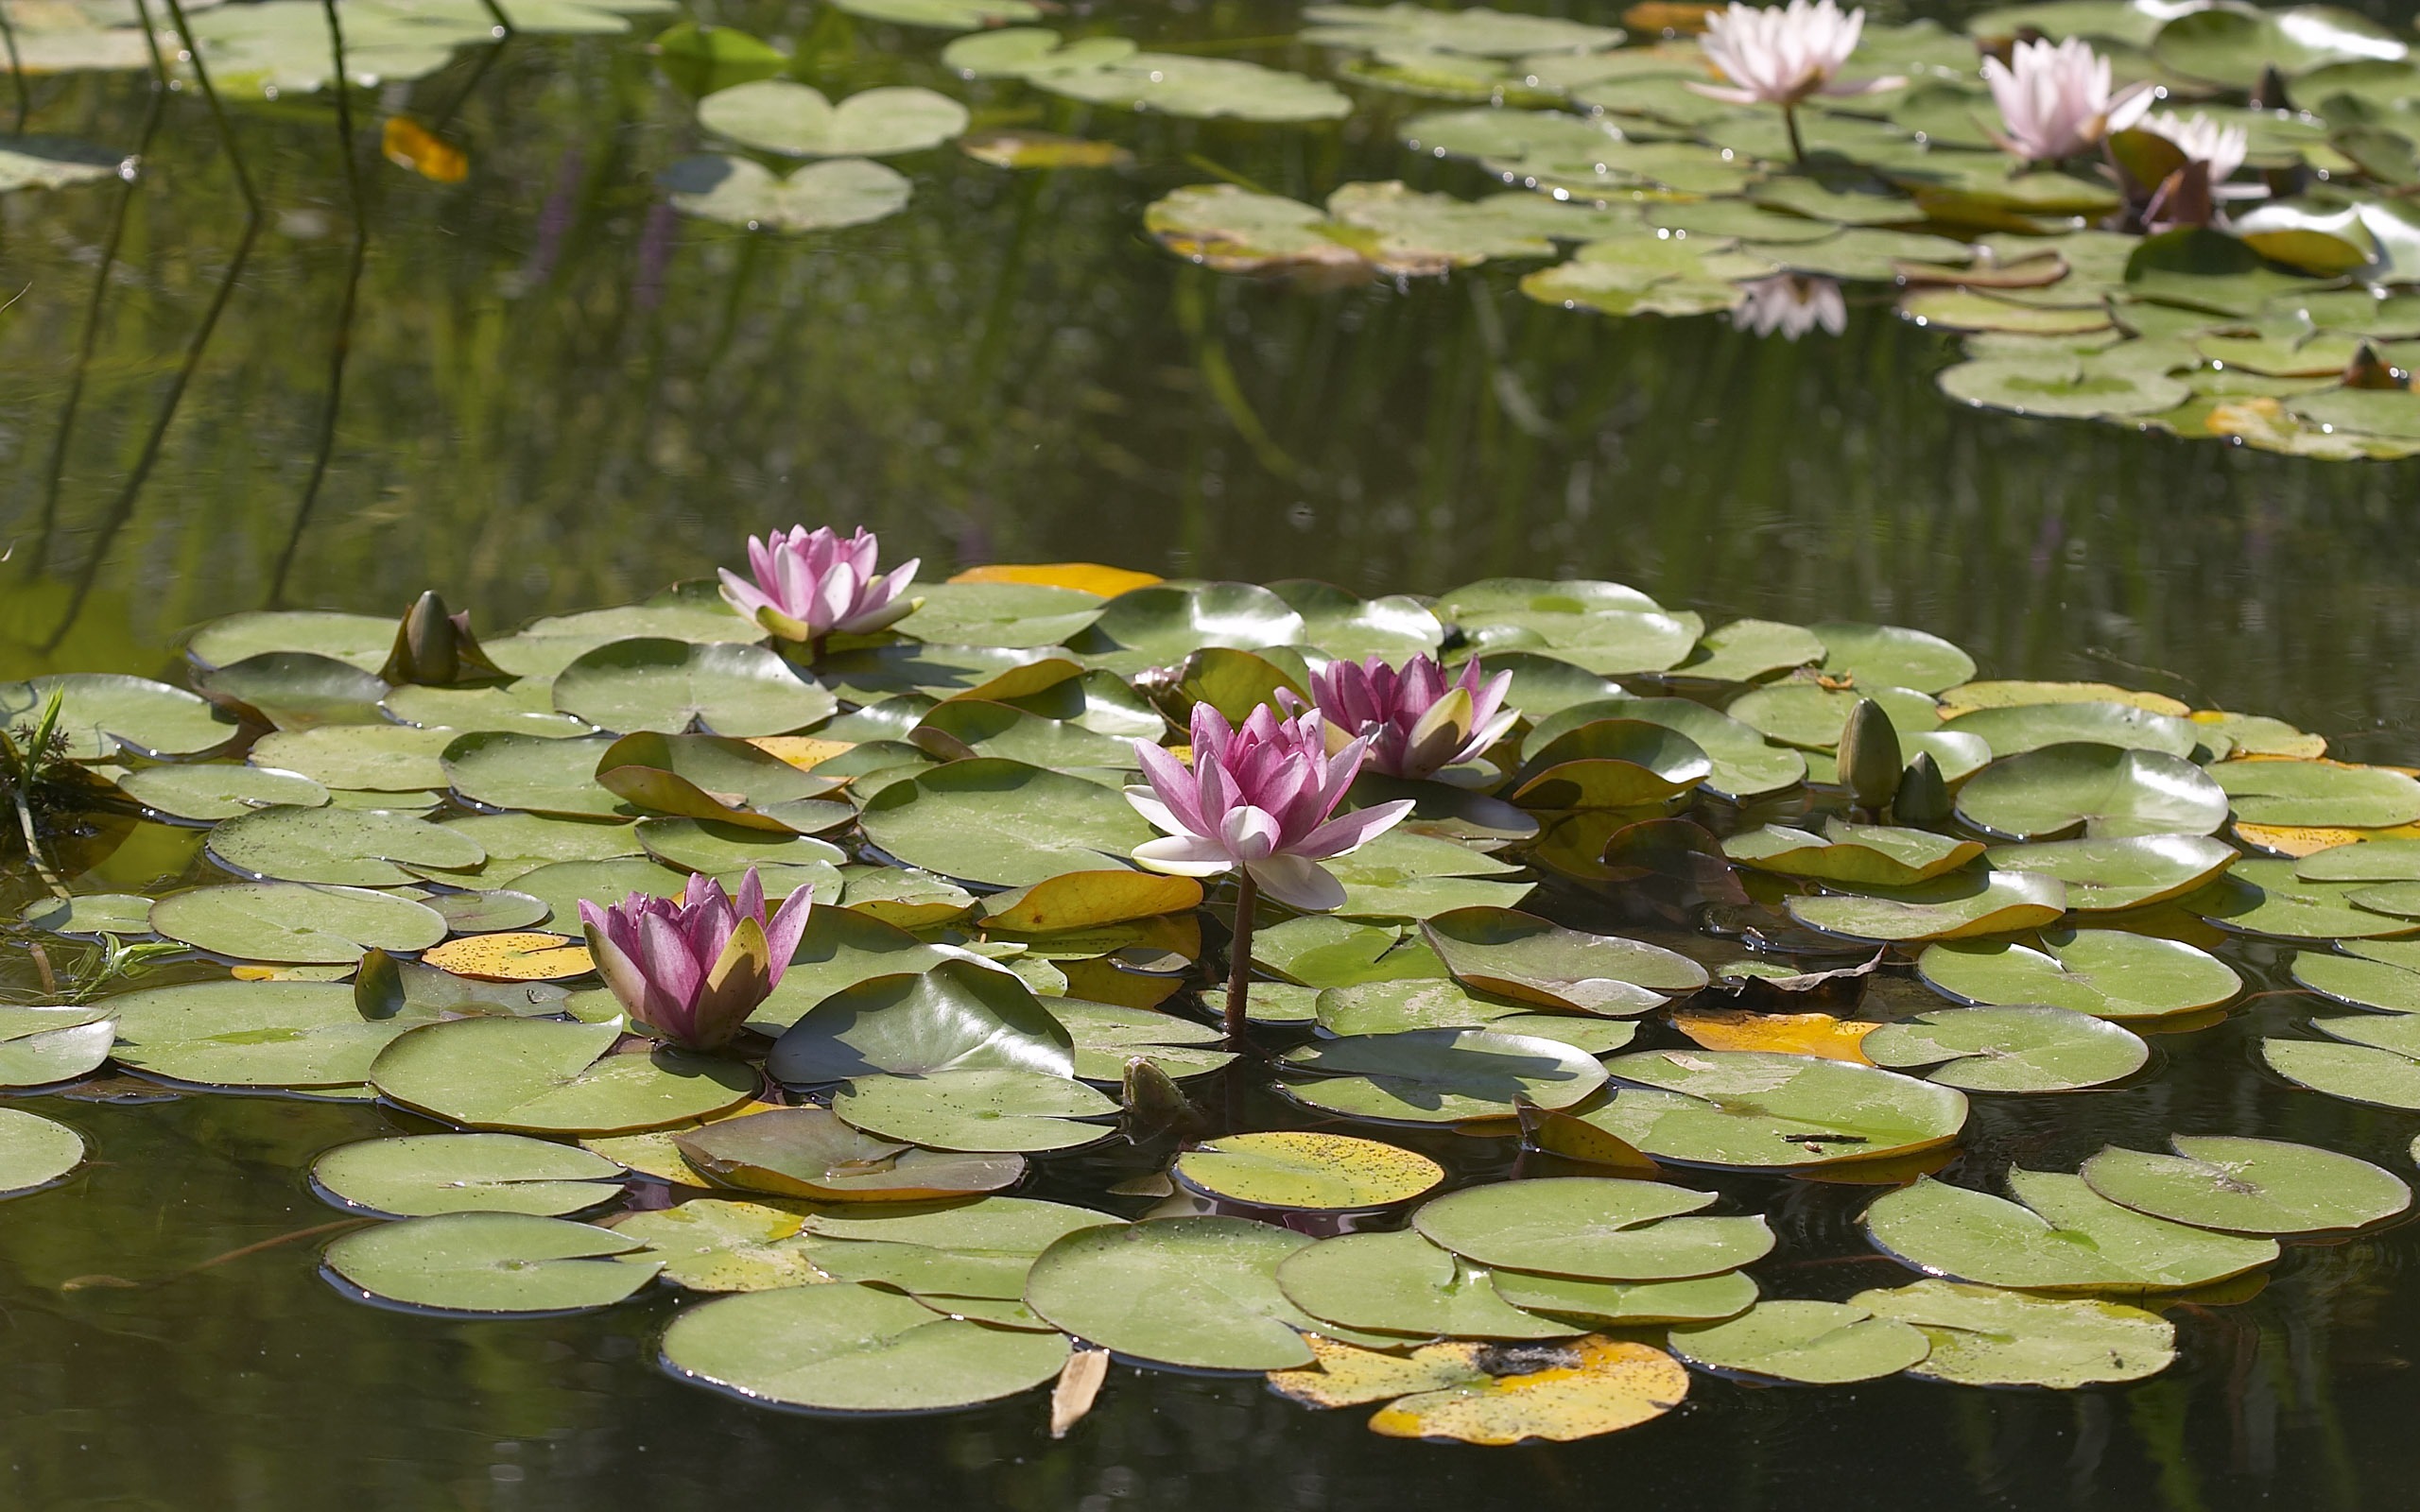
1870	755
436	648
1923	799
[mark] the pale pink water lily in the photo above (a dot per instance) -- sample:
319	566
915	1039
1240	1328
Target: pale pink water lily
2055	101
1784	54
2220	148
1791	304
1416	721
693	970
1260	799
811	584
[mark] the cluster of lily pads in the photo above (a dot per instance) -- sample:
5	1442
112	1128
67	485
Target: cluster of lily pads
382	838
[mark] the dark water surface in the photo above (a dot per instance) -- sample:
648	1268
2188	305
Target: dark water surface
557	395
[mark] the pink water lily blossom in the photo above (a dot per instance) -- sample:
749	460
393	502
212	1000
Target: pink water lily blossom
2220	148
1261	800
1416	721
1777	54
1791	305
693	970
2055	100
811	584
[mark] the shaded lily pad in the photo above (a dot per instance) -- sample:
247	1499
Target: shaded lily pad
1698	1300
1437	1076
834	193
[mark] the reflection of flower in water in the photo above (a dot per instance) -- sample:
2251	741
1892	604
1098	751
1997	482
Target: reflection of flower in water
1793	304
2055	100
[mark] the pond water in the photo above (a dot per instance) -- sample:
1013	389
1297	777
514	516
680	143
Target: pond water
556	394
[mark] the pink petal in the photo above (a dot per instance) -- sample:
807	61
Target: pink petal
673	977
786	928
1249	833
1172	784
1351	830
1183	855
1298	883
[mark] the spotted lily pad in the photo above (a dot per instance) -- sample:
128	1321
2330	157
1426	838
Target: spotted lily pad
1307	1171
1984	1337
1495	1393
1811	1343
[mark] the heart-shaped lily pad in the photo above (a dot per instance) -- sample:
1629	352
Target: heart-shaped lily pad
2249	1186
961	1015
1811	1342
295	922
2059	1235
421	1175
1437	1076
1592	1227
2028	1048
823	196
853	1348
2059	791
491	1262
1762	1110
540	1075
781	115
2105	973
1985	1336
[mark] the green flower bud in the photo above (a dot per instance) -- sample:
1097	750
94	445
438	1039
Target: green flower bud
1923	799
1870	761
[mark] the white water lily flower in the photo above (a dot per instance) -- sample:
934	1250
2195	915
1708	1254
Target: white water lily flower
1782	54
1791	305
2055	101
2203	140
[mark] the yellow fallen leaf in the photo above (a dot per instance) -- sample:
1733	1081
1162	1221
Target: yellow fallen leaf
1100	981
2299	840
1086	900
516	955
801	751
1791	1034
1083	576
409	145
1553	1391
1682	18
1348	1375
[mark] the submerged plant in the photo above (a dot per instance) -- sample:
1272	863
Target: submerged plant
810	584
1259	801
1415	722
2055	101
692	971
1791	305
1784	56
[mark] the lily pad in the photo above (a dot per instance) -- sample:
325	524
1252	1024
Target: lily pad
40	1046
2020	728
35	1151
2382	1076
540	1075
2363	984
1827	1344
1108	1034
501	770
853	1348
710	1244
1859	855
671	687
1437	1076
1761	1110
1610	763
205	792
1494	1394
2248	1186
2318	793
1197	1293
985	1110
2263	896
825	195
2129	871
807	1152
421	1175
368	758
1311	1171
354	847
1592	1227
2059	1235
1624	1304
2029	1048
295	922
103	716
252	1034
2099	791
781	115
1003	822
1948	907
491	1262
1401	1283
2107	974
1532	960
961	1015
1984	1337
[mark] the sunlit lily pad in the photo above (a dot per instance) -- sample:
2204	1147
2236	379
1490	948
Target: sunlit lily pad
989	1109
205	792
718	779
1759	1110
1106	1034
672	687
710	1244
1984	1337
2026	1048
2363	984
2381	1075
2262	896
853	1348
372	758
2248	1186
1745	765
1700	1299
43	1045
491	1262
35	1151
807	1152
1947	907
961	1015
1493	1393
1859	856
1527	958
295	922
539	1075
355	848
2059	1235
781	115
1307	1171
2020	728
1003	822
2099	791
501	770
1592	1227
2107	974
1402	1284
2318	793
2117	872
252	1034
561	885
1809	715
1437	1076
104	715
421	1175
1198	1293
1393	1007
1812	1343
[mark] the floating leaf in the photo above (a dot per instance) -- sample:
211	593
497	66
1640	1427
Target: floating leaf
491	1262
252	1034
1197	1293
2099	791
2264	897
1757	1111
2318	793
1700	1299
2248	1186
1950	907
852	1347
2065	1237
2107	974
35	1151
2131	871
1797	1033
368	758
295	922
518	956
1438	1076
961	1015
355	848
502	770
208	791
825	195
2029	1048
672	687
1401	1283
708	1245
40	1046
539	1075
1859	855
103	716
1527	958
1307	1171
2382	1069
1592	1227
1983	1336
1003	822
783	116
1812	1343
421	1175
989	1109
2386	987
807	1152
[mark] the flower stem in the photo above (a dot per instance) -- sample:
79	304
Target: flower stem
1789	120
1239	957
815	650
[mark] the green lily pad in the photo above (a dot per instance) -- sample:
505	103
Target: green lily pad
1825	1344
2098	791
2382	1075
296	689
1197	1293
1949	908
560	886
2107	974
252	1034
1201	88
2013	731
2401	899
1592	1227
710	1244
1107	1036
1859	855
295	922
1809	715
421	1175
710	777
1623	1304
354	847
825	195
1307	1172
1160	623
947	15
104	715
1437	1076
2262	896
540	1075
840	948
965	728
35	1151
781	115
1019	615
2318	793
853	1348
1760	1110
92	914
807	1152
1984	1337
989	1110
2058	1236
672	687
526	708
205	792
40	1046
1401	1283
2229	46
2363	984
1318	952
492	1262
1743	764
501	770
2248	1186
2124	872
1530	960
362	640
1003	822
714	848
2027	1048
961	1015
1393	1007
368	758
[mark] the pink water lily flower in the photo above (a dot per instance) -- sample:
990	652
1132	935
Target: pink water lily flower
810	584
1416	722
2055	101
1775	55
2220	148
1261	800
1791	305
693	970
